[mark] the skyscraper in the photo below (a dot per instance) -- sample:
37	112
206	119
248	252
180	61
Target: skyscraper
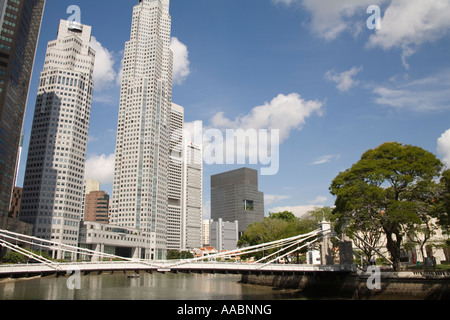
235	196
20	23
140	188
192	196
54	175
175	180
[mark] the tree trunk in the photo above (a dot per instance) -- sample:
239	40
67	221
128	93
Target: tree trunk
393	247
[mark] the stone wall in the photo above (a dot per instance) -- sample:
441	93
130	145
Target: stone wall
353	286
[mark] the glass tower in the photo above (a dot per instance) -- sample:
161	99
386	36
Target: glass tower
20	24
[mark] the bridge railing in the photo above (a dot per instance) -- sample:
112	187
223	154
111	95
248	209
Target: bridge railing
279	249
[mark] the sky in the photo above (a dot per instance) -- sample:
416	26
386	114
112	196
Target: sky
319	71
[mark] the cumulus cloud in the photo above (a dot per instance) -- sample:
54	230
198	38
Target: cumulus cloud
330	18
181	63
100	168
344	80
443	147
408	24
104	73
285	113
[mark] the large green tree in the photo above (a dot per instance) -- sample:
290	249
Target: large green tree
377	190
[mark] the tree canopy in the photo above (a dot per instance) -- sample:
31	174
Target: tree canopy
382	188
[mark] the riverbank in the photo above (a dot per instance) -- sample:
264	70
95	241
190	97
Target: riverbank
404	285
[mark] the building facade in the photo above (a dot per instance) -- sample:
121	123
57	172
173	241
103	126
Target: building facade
20	24
96	207
54	175
140	187
175	180
235	196
224	235
192	196
16	202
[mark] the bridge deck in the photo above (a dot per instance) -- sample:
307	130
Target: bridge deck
22	270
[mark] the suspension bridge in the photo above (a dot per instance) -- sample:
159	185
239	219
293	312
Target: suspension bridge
278	258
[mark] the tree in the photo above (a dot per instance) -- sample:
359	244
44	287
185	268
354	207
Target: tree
285	215
282	225
443	215
177	255
377	189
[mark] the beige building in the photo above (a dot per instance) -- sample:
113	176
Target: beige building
97	207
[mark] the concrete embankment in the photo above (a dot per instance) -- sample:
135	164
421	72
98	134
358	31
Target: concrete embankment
392	285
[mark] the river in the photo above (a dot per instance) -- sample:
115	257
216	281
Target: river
148	286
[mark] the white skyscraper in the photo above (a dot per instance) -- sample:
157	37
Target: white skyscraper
175	180
54	176
185	187
140	189
192	196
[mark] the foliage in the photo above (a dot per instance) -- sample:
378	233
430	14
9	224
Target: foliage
381	189
282	225
14	258
285	215
177	255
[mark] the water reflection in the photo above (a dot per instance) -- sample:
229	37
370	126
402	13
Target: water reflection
147	287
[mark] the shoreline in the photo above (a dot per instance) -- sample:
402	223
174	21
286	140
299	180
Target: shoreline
411	285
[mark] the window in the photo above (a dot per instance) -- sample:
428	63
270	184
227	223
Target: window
248	205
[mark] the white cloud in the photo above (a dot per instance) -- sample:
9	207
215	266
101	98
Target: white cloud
407	24
273	198
325	159
298	211
426	94
181	63
319	200
344	80
284	112
104	73
443	147
100	168
330	18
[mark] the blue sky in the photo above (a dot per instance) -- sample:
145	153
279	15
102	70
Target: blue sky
240	61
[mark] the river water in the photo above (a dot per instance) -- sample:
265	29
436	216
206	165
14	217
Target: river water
154	286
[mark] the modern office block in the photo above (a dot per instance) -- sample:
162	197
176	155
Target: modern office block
54	175
185	188
235	196
175	180
20	24
193	196
224	235
140	188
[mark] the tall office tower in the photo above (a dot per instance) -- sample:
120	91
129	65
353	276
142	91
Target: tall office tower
235	196
140	195
54	175
20	23
193	196
175	180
